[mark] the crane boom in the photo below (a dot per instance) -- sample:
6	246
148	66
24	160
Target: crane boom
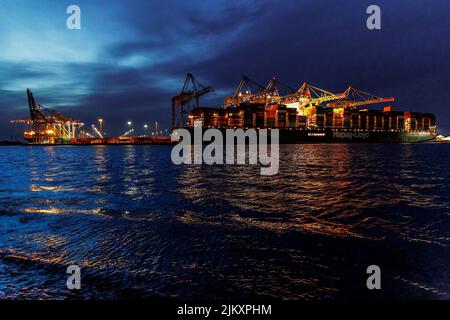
252	89
308	94
355	98
256	93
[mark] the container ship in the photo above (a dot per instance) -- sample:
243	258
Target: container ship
307	115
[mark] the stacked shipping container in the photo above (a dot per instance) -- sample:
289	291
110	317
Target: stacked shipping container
317	117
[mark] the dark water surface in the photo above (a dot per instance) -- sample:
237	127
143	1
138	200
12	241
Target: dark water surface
141	227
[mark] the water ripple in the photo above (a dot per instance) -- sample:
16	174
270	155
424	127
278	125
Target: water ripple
140	226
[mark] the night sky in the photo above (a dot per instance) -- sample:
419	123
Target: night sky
131	57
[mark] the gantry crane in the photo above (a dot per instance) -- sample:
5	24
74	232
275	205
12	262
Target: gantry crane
188	99
48	126
354	98
273	92
253	92
246	89
309	95
274	87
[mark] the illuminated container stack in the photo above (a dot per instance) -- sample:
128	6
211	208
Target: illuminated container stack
338	118
411	121
271	116
292	118
281	117
393	120
259	117
346	118
236	118
329	121
316	117
319	115
302	122
355	120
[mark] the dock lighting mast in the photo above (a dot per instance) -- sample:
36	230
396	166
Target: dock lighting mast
145	129
100	122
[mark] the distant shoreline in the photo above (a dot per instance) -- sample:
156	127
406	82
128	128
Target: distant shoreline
18	143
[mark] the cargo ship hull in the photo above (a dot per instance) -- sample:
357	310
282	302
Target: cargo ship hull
297	136
353	136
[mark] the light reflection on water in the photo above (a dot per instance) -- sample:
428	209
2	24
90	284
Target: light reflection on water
140	226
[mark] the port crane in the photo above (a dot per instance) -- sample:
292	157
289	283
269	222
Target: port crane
274	85
273	92
253	92
354	98
246	89
188	99
309	95
48	126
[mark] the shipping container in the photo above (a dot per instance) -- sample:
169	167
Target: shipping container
363	119
329	118
355	120
347	118
302	121
411	121
236	118
428	120
316	117
281	117
291	117
432	122
338	118
374	119
222	120
271	114
378	120
386	120
248	118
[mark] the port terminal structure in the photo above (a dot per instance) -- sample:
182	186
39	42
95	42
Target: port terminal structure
48	126
308	114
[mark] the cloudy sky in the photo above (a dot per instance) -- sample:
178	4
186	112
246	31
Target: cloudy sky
131	57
